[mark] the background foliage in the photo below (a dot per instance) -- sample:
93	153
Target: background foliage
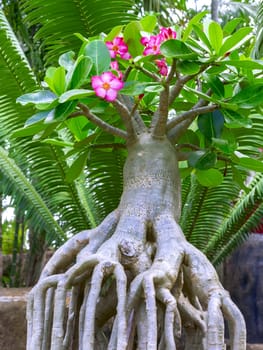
40	175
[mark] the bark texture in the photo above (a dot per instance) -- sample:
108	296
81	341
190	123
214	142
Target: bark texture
134	281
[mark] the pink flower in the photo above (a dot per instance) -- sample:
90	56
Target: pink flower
118	47
162	65
167	33
153	43
106	85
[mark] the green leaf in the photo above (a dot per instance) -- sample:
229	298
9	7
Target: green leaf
56	80
100	56
75	94
200	94
249	163
202	160
77	166
148	23
59	143
236	120
235	40
249	97
215	36
215	84
209	178
247	64
33	129
189	137
62	111
201	35
79	73
177	49
195	20
132	36
40	97
211	124
188	68
134	88
37	117
113	33
231	25
67	60
77	127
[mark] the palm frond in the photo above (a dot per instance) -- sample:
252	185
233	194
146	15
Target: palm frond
250	140
45	165
38	214
258	46
244	216
59	20
204	209
105	178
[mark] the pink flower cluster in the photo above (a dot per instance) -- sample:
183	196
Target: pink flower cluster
118	47
108	84
152	46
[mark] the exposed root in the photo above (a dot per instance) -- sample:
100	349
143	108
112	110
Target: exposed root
105	290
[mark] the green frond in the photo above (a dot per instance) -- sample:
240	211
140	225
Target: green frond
244	216
204	209
59	21
105	178
250	140
16	78
47	169
15	71
38	214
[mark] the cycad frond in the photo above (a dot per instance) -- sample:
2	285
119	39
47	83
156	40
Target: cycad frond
245	215
59	21
105	178
17	184
258	46
205	208
45	165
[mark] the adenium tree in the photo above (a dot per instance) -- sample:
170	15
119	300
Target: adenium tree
134	281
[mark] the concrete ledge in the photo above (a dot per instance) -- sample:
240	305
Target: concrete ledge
13	320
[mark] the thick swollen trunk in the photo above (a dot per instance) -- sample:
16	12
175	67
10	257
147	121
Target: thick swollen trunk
135	282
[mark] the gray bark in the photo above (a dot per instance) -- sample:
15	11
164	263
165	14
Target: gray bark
162	285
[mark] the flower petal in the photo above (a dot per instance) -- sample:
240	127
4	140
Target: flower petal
107	77
116	84
111	95
96	81
100	92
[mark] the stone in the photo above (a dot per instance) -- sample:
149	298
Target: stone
13	318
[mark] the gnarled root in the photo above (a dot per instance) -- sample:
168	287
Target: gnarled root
107	290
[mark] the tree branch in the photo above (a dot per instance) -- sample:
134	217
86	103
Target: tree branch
190	115
100	123
181	81
158	125
127	119
180	127
155	77
140	126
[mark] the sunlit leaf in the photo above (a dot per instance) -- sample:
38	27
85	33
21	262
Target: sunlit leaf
99	54
177	49
215	36
39	97
210	177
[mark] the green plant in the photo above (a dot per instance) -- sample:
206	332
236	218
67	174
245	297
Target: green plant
169	96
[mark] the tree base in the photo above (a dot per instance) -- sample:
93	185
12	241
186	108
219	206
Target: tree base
131	294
